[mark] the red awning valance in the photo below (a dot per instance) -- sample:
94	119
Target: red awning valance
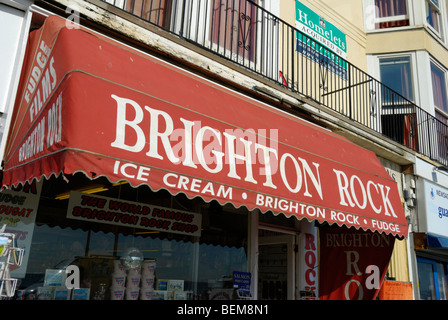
90	104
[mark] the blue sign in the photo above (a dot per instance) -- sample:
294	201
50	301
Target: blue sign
241	280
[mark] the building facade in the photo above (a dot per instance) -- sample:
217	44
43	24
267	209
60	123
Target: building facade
407	50
210	150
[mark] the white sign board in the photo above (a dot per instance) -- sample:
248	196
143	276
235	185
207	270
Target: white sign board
435	209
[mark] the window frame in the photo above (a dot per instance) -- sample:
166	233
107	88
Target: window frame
440	114
437	267
232	29
412	70
434	63
371	17
407	133
373	66
439	11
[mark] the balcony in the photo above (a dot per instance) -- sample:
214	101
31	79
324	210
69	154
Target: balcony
246	34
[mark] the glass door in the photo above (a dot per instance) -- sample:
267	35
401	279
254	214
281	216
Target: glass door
276	266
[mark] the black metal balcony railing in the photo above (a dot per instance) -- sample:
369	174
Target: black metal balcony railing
250	36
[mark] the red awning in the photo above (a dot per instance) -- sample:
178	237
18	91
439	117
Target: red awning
87	103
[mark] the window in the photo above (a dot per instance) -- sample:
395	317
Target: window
442	135
233	27
439	88
433	15
391	13
203	264
398	118
396	73
154	11
441	106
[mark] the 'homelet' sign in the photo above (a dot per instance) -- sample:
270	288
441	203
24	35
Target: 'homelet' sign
320	30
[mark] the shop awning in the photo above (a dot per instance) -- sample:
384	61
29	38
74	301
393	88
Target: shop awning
90	104
436	242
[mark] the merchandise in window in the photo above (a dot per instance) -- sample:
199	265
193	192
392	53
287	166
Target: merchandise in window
131	262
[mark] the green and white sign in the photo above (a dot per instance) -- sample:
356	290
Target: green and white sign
320	30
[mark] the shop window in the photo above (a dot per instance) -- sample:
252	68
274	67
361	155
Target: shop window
432	278
442	278
197	267
426	280
433	15
391	14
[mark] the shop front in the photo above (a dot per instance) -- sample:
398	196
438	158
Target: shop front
431	242
152	182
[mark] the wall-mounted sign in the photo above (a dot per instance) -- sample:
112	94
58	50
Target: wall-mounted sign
436	209
320	30
93	208
321	41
